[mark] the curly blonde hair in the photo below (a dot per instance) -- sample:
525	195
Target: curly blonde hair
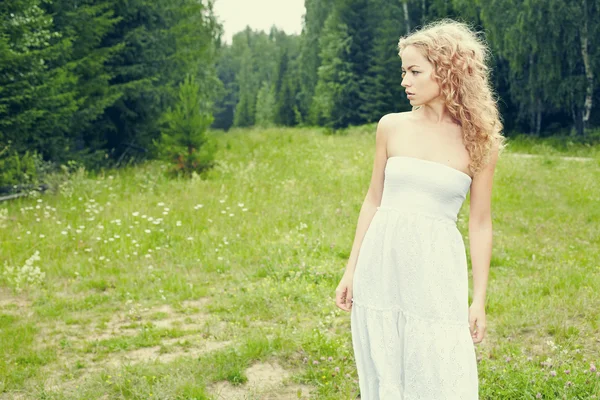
459	57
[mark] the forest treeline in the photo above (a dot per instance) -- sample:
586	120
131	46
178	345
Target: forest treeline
91	80
344	68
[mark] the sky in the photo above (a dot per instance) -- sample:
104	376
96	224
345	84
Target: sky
260	15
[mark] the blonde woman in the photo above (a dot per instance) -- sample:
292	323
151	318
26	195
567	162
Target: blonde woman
406	282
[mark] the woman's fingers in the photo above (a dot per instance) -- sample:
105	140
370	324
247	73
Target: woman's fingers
349	299
480	333
472	326
341	299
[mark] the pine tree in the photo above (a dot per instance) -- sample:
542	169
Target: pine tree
317	12
345	50
38	99
86	24
183	139
337	80
164	40
284	90
383	92
245	110
228	96
265	106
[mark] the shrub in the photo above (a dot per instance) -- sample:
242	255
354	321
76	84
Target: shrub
183	140
15	168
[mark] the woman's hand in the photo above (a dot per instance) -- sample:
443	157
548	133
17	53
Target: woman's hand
343	293
477	319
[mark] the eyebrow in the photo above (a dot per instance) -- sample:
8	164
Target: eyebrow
411	66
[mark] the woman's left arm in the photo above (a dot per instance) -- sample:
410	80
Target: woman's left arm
480	243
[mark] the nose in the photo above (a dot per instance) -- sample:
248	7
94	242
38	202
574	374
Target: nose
404	82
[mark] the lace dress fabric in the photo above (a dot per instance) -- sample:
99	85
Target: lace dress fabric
409	318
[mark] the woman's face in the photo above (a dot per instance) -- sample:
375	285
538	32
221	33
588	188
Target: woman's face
417	78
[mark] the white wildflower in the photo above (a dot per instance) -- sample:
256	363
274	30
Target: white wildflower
3	217
27	275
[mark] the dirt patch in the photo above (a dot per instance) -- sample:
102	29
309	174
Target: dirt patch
187	317
197	334
531	343
266	381
191	346
154	353
15	304
12	396
199	304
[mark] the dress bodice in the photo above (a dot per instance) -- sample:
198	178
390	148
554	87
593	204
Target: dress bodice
414	184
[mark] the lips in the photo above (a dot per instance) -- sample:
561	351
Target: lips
409	93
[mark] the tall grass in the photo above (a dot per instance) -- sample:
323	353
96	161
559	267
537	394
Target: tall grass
158	288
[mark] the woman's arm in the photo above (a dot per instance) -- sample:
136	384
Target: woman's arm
343	292
373	198
480	239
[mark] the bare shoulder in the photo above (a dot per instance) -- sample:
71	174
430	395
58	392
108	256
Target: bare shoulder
393	121
395	117
394	125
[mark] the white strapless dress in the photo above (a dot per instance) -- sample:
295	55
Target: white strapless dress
409	318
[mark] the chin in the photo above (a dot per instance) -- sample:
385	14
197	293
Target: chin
420	103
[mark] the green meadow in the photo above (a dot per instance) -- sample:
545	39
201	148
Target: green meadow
128	285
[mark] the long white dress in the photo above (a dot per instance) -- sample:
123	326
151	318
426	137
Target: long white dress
409	318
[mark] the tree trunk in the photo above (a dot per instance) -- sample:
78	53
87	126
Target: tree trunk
538	117
532	104
589	74
406	16
577	113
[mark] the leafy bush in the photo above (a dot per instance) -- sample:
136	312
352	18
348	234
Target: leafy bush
17	168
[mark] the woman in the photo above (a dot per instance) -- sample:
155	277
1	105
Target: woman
406	282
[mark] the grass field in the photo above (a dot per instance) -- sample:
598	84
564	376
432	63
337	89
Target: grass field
129	285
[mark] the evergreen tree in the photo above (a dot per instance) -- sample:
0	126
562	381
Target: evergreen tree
183	139
337	80
345	51
164	40
284	92
246	108
383	92
228	95
38	98
265	106
317	12
87	23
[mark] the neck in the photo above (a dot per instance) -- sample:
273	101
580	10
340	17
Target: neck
436	112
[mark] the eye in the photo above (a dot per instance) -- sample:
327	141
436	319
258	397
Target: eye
414	73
